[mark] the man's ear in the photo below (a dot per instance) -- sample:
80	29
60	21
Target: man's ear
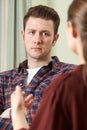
55	39
73	29
22	34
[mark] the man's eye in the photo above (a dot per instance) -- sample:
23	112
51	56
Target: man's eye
45	34
31	32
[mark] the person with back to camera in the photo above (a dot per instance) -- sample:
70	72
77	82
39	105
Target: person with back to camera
64	103
40	34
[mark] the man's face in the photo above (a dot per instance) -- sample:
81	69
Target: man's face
39	38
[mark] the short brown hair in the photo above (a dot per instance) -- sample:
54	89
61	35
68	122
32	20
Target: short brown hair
44	12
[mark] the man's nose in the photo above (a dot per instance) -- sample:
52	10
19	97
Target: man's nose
37	38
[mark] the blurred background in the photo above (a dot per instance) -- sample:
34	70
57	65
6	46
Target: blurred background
12	50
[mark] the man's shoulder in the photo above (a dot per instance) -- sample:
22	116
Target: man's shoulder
61	63
9	72
72	78
14	70
61	67
66	66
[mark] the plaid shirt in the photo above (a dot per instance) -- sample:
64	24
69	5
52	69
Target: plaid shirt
10	79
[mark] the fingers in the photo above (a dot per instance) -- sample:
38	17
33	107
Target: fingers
15	94
18	89
29	101
29	104
18	100
28	98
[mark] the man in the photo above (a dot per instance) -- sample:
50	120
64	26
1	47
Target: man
36	73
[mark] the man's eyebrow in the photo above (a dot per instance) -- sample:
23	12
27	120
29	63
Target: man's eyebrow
45	31
41	31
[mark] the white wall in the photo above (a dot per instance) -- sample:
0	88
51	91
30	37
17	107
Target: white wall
61	49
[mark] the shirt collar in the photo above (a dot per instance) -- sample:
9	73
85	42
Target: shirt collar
24	65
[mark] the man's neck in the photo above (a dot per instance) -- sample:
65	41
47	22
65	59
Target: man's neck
36	63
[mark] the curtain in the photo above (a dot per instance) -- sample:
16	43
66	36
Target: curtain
12	50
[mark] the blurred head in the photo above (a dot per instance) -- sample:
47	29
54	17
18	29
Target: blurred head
77	15
43	12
